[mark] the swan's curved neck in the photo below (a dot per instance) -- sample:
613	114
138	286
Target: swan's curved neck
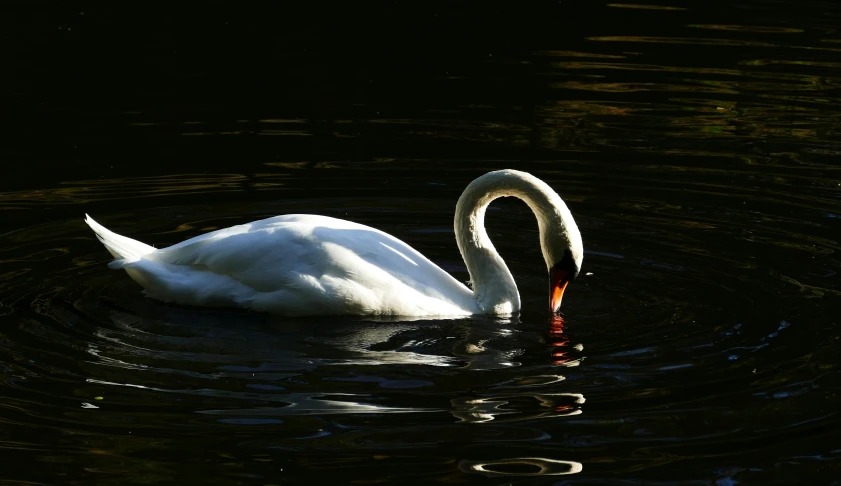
493	286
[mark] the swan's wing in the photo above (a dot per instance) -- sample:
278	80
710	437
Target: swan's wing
266	255
276	252
292	264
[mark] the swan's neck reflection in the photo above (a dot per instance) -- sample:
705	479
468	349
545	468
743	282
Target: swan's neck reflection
525	397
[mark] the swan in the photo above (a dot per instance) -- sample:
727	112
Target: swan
302	264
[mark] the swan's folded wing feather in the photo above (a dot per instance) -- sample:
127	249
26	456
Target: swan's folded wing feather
264	259
316	255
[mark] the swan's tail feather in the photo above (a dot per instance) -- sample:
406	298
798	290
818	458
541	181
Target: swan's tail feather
121	247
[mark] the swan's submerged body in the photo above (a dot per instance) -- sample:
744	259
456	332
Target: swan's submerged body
304	264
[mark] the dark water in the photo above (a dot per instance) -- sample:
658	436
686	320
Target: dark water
696	144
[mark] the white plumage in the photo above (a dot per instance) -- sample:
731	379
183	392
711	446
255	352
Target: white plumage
316	265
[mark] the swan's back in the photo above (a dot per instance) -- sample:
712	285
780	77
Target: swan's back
299	265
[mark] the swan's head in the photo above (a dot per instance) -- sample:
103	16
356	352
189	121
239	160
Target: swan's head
564	253
561	274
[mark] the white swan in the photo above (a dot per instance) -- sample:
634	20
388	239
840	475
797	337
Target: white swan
302	264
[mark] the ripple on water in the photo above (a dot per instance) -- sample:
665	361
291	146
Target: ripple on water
700	342
666	326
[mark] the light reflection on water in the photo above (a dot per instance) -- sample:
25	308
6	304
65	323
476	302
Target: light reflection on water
528	466
700	343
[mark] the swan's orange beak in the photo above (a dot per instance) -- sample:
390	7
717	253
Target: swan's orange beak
558	280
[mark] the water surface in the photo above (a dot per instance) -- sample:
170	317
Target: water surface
696	145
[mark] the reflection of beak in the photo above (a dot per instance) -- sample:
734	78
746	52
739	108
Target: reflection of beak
556	326
558	280
559	341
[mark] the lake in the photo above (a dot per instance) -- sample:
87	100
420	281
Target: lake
696	143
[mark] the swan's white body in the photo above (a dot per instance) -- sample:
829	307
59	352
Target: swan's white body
315	265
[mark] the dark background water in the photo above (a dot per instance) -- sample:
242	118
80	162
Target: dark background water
697	144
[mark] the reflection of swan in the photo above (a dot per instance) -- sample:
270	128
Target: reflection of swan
316	265
535	466
561	354
488	408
